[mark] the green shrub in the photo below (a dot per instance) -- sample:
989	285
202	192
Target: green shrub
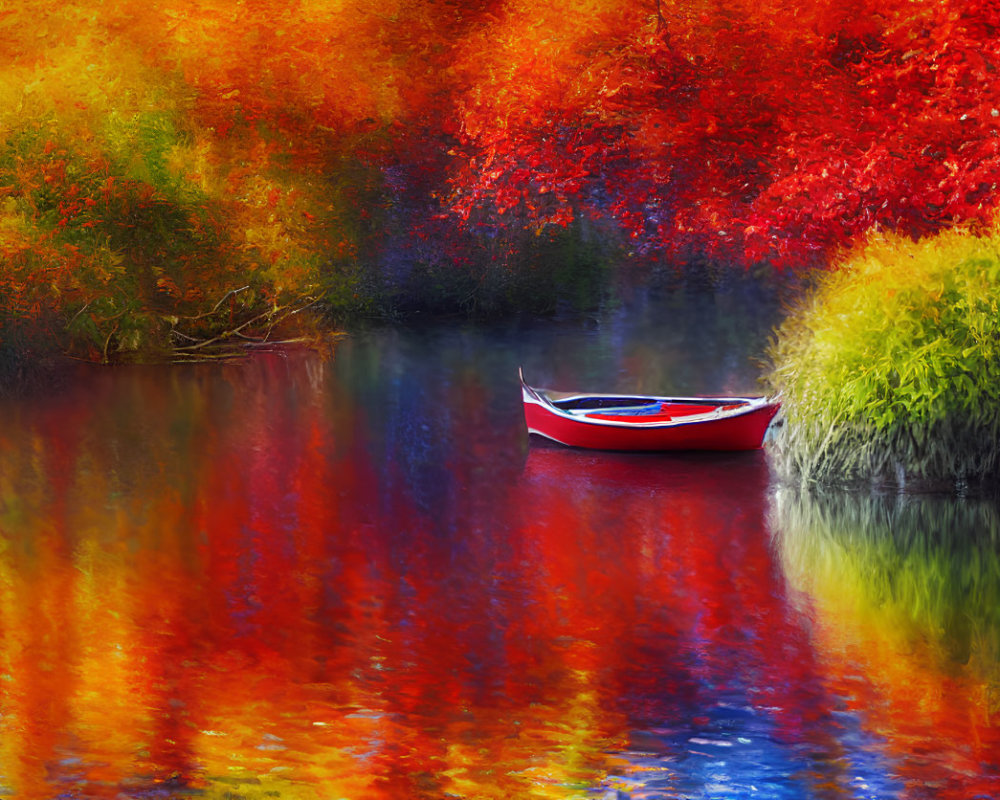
889	371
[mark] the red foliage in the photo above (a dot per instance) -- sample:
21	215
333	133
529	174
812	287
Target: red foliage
171	154
748	131
922	152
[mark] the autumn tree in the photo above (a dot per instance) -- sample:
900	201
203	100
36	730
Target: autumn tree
921	150
736	130
175	172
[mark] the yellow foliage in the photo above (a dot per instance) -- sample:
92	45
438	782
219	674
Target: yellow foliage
896	351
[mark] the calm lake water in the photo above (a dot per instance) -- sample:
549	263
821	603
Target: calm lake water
351	577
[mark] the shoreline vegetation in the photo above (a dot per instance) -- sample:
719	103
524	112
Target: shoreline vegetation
133	318
179	181
889	371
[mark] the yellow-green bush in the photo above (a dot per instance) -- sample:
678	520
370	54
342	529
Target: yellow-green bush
888	370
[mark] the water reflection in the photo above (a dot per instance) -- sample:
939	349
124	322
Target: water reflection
308	578
208	581
904	593
231	580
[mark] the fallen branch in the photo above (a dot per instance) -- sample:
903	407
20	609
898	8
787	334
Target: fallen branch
244	331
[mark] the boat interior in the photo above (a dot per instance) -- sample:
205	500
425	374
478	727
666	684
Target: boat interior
648	409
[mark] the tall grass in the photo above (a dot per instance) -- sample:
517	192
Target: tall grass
889	371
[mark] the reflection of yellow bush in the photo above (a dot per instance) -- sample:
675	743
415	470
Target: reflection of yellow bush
890	372
914	574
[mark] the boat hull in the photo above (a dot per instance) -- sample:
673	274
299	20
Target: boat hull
730	423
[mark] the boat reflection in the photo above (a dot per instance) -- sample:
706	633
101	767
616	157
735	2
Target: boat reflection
718	683
905	590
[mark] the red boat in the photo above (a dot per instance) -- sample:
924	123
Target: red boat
640	422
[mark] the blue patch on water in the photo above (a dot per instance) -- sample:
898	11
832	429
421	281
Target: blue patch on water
738	754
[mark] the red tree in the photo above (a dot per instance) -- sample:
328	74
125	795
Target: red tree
736	130
921	151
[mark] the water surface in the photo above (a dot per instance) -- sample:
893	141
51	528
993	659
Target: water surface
350	575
